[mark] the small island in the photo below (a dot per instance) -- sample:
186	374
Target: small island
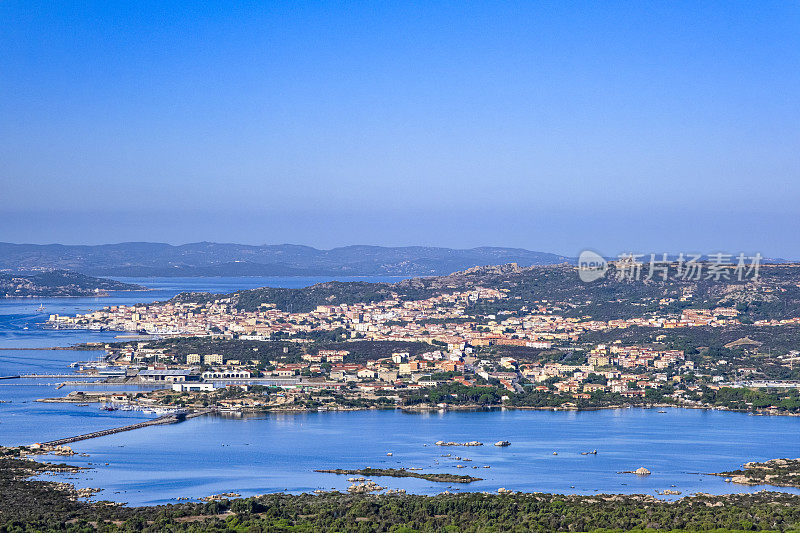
399	472
776	472
58	283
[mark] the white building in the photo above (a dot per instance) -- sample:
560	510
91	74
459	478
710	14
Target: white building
226	374
197	387
171	376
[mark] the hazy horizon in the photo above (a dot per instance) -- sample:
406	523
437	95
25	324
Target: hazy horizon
608	254
548	126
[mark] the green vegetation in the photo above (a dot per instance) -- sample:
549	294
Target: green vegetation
777	340
363	351
775	296
28	506
739	399
285	351
522	354
456	394
298	300
748	399
24	503
777	472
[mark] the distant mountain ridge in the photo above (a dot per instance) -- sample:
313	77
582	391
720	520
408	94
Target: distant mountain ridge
223	259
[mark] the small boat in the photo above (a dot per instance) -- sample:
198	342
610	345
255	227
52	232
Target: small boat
555	453
662	411
108	408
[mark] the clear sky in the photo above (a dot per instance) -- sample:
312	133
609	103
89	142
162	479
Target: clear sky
554	126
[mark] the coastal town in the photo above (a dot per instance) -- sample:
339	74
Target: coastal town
400	267
427	353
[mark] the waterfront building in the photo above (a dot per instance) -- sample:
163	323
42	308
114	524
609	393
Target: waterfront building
226	374
172	376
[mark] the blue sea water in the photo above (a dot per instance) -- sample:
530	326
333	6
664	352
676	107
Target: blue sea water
24	421
279	452
17	314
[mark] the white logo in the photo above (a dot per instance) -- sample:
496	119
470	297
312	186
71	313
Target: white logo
591	266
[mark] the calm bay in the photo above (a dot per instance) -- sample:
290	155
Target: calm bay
279	452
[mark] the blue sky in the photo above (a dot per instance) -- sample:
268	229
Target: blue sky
554	126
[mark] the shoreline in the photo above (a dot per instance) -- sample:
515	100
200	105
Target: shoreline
41	504
189	414
235	494
467	407
39	455
429	409
51	348
780	472
65	296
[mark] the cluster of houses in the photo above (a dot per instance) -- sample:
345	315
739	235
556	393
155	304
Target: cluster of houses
439	318
627	370
455	337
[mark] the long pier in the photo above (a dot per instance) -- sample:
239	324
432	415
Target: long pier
166	419
172	418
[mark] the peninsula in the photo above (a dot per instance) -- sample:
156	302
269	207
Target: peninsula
510	336
775	472
58	283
